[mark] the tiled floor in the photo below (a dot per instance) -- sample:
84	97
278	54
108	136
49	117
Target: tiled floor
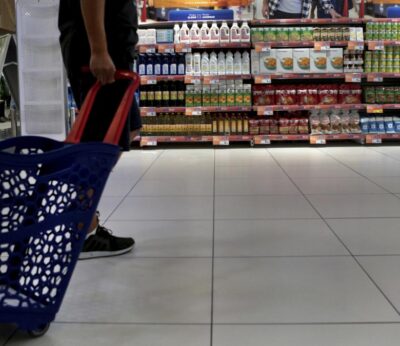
255	247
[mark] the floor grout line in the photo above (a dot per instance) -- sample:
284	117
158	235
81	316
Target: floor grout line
345	246
213	260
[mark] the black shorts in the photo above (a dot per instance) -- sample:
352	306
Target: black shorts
104	108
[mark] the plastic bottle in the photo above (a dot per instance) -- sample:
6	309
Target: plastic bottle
235	35
176	33
229	63
245	32
184	34
205	64
189	63
237	63
196	64
181	64
205	33
214	33
245	63
213	64
221	64
194	33
224	33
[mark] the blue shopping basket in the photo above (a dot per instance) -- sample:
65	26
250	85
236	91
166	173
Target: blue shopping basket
49	192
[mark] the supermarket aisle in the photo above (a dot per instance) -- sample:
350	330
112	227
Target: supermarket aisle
280	247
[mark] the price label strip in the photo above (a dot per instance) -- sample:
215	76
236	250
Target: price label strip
148	112
193	111
353	77
166	48
371	77
321	46
263	79
262	140
374	139
375	109
183	48
376	45
318	140
265	111
148	142
355	45
221	140
262	47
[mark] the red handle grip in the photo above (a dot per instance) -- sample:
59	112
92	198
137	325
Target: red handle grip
117	125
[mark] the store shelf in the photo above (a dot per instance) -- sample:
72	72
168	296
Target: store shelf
380	76
151	80
214	79
192	111
381	44
267	78
323	139
269	110
265	46
336	21
187	47
379	138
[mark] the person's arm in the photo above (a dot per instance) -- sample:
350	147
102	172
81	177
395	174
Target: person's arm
328	7
101	64
265	9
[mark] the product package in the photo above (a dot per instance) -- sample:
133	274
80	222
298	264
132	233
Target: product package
318	61
284	59
268	61
301	60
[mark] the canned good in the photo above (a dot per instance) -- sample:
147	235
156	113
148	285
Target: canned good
380	95
317	34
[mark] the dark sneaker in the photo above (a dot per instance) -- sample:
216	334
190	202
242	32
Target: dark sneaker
104	244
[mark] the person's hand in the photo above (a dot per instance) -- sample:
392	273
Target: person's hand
334	14
102	67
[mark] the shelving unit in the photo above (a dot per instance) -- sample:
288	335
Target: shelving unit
261	112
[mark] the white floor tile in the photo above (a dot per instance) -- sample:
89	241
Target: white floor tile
281	186
308	335
167	238
107	206
126	290
275	238
385	271
392	184
165	208
121	335
360	185
319	170
356	206
272	171
390	168
369	236
181	187
296	290
263	207
171	171
119	187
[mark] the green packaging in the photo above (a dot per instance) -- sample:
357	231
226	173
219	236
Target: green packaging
270	35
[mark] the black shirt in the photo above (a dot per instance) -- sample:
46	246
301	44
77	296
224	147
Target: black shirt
121	24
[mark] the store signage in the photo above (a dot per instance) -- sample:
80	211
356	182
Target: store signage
199	15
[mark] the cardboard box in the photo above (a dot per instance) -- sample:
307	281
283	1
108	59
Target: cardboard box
268	61
284	58
318	61
335	60
7	16
255	62
301	60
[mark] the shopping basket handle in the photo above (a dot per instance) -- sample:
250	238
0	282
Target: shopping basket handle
117	125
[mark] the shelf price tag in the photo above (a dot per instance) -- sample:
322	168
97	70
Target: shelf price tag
262	140
192	79
148	142
183	48
147	49
371	77
262	47
263	79
355	45
318	140
208	80
148	80
321	46
221	140
353	77
376	45
374	139
148	112
265	111
375	109
195	111
166	48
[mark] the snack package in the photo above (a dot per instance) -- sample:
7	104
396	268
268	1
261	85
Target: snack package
315	123
396	121
325	122
254	127
328	94
268	61
283	126
263	95
264	126
389	125
336	122
372	125
318	61
354	122
364	125
286	95
369	95
349	94
303	126
301	60
306	34
335	60
380	95
255	62
293	126
380	125
274	126
345	120
284	59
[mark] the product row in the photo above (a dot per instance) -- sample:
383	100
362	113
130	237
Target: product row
312	94
334	122
180	125
383	61
161	64
380	125
383	31
298	60
205	34
382	94
284	125
298	34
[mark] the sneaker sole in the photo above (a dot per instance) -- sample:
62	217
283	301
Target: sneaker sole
100	254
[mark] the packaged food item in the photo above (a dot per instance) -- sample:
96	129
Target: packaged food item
354	122
396	121
239	91
264	126
315	123
345	122
335	60
372	125
293	126
284	59
274	126
268	61
294	34
380	124
364	125
283	126
254	127
349	94
369	95
318	61
282	34
197	96
247	95
230	94
325	122
270	34
307	34
380	95
389	125
206	96
286	95
328	94
316	34
257	35
189	96
336	122
303	126
217	95
301	60
255	62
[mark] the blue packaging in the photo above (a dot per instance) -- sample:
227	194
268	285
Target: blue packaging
141	65
389	125
199	15
364	122
396	121
372	125
380	125
149	64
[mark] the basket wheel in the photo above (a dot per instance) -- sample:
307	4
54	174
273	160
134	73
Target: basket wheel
40	331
